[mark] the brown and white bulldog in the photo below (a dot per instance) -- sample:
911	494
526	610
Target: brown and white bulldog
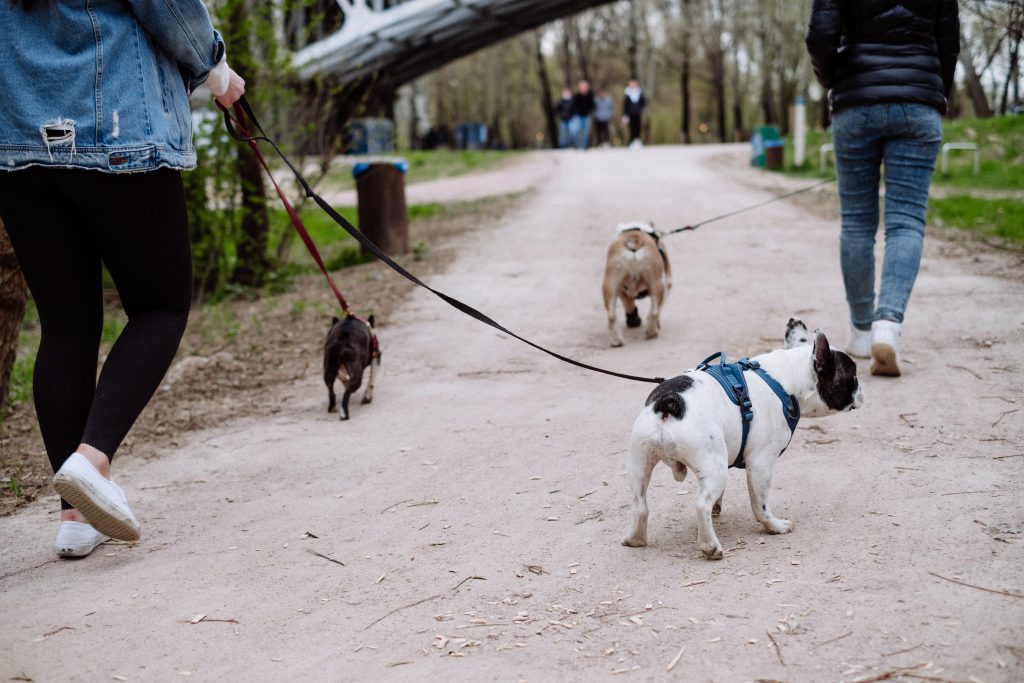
637	267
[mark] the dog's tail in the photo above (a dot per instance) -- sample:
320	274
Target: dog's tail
670	404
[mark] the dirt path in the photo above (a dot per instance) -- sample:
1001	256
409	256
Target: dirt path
478	503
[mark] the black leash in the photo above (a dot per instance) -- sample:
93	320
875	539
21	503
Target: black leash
748	208
243	111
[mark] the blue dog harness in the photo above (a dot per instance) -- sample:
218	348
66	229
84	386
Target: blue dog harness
730	376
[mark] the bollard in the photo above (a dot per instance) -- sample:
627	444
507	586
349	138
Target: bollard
380	189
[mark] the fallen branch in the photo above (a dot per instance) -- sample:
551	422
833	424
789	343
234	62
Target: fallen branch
399	609
981	588
326	557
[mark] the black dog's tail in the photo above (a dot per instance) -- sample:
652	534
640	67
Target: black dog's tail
670	404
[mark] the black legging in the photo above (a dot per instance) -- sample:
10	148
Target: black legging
63	223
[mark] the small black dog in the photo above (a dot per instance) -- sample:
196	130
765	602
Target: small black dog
351	346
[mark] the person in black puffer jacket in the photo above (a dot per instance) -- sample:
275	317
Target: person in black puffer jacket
888	66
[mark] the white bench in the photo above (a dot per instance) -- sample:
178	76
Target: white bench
964	146
823	155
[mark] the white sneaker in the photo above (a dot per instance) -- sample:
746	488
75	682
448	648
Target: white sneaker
859	344
100	500
885	348
76	539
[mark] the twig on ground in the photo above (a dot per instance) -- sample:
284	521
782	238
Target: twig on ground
694	583
962	493
1001	416
778	650
432	501
960	367
981	588
1004	457
1001	398
889	674
904	416
326	557
675	660
832	640
899	652
399	609
469	578
390	507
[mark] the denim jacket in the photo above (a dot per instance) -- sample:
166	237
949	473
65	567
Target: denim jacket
102	84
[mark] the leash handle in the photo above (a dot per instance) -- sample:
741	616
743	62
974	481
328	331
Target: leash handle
238	129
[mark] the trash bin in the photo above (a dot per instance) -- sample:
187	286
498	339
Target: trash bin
762	135
380	192
773	154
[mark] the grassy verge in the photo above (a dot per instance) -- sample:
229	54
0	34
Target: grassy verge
986	217
430	165
964	205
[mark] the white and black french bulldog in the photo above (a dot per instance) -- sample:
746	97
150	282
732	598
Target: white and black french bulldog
690	422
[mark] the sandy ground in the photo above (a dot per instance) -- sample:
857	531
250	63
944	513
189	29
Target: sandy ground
478	503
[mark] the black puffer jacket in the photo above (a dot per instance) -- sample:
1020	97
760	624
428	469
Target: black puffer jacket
875	51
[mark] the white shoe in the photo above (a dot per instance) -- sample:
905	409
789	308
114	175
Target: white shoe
100	500
859	344
76	539
885	348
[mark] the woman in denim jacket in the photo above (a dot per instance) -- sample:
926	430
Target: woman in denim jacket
888	65
95	132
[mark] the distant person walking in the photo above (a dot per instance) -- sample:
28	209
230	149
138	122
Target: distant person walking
888	66
604	110
582	108
91	156
632	110
563	109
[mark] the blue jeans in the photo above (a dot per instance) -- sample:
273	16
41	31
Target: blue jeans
906	137
564	136
579	129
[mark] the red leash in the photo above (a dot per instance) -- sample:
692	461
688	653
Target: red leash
243	128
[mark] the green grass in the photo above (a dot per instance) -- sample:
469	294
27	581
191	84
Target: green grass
1000	142
997	217
430	165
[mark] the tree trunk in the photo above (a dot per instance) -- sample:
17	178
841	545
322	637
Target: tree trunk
975	90
684	83
545	93
768	111
251	250
737	95
634	41
13	295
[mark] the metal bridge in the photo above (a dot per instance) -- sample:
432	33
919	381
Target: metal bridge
396	41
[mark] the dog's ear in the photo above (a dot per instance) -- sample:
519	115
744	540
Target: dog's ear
370	320
334	321
824	359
